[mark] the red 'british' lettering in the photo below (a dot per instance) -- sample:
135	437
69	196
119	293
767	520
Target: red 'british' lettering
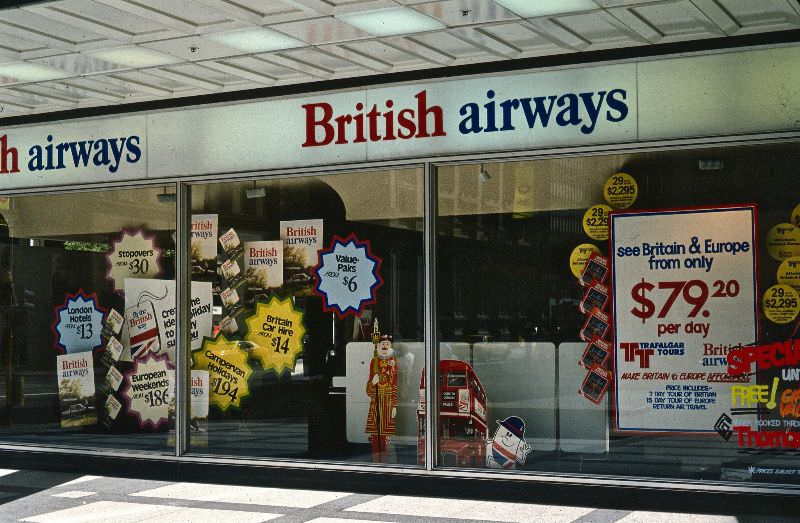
7	152
323	128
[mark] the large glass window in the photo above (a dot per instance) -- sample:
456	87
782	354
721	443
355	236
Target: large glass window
85	359
307	317
631	314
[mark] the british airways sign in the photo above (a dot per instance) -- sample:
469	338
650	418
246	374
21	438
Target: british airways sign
425	120
522	111
88	151
54	154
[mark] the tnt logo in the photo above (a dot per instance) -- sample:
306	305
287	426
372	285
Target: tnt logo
632	350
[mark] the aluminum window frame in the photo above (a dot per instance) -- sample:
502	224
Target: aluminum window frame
430	166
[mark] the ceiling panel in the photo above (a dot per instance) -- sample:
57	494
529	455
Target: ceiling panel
324	60
454	13
193	48
67	35
78	64
269	69
449	44
679	18
321	31
49	93
15	45
45	29
215	76
598	29
524	37
387	54
239	72
99	18
259	12
120	90
764	13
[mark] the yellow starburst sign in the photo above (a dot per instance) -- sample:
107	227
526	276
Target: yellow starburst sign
228	371
277	330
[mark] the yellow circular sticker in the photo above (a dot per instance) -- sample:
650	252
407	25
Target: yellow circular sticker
595	221
783	241
277	331
579	257
796	216
780	304
620	191
789	272
228	371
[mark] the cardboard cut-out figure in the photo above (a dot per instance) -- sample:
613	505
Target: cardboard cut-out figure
508	447
382	391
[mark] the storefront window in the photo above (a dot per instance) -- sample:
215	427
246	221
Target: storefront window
307	337
628	314
80	274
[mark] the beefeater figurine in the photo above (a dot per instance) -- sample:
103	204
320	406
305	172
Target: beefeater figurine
382	391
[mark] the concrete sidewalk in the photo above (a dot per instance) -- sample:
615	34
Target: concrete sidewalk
52	497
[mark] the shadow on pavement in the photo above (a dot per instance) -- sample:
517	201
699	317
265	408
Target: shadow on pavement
23	483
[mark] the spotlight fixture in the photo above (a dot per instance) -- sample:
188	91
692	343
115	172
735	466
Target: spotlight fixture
709	165
255	192
166	197
484	175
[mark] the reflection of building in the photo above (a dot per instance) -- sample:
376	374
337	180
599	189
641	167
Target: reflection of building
471	186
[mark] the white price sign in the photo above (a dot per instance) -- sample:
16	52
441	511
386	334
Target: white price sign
684	295
347	276
134	255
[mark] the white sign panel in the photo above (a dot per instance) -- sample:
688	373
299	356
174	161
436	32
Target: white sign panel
76	389
263	265
684	286
100	150
686	96
302	239
156	298
520	111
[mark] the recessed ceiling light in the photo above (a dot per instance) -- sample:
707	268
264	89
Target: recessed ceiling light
28	72
391	21
256	40
134	56
529	8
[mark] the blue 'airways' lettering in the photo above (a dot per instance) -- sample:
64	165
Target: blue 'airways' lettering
581	110
108	152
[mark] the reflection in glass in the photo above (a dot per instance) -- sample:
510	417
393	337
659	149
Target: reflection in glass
315	349
86	291
526	294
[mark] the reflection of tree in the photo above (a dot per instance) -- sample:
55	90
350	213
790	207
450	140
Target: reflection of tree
195	251
256	278
69	388
293	256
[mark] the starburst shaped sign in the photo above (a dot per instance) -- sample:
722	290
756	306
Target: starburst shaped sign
133	255
228	370
347	276
276	329
78	323
149	390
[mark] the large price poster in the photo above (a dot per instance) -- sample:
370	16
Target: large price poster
684	287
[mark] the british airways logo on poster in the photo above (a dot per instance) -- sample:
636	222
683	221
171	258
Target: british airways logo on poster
424	119
53	154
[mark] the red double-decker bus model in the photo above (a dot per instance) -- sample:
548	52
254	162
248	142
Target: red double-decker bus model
462	416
